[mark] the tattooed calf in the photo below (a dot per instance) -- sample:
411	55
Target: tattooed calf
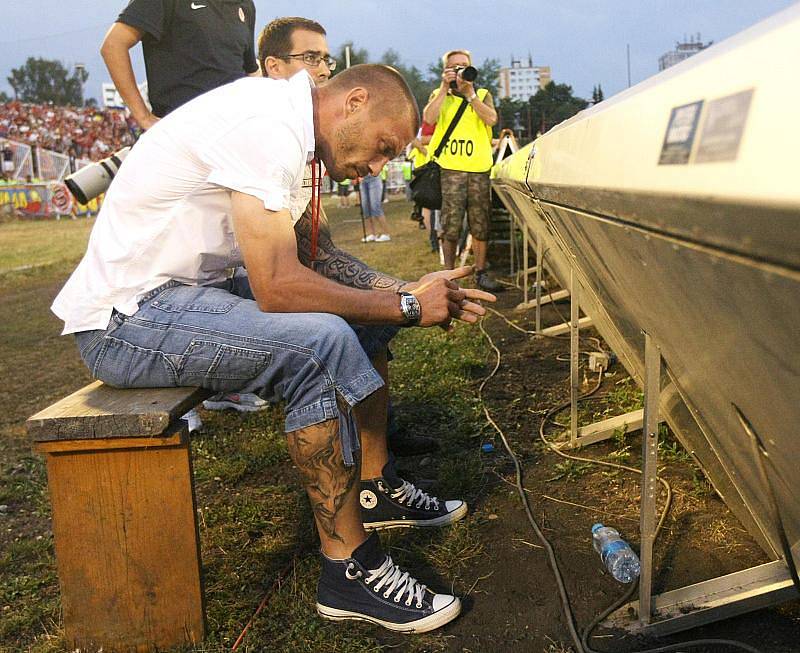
326	479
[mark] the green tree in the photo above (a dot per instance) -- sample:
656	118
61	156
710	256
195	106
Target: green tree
435	71
509	112
489	76
553	104
47	80
597	94
4	97
419	85
357	55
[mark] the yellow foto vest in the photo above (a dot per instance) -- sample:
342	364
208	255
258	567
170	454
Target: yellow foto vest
469	148
418	159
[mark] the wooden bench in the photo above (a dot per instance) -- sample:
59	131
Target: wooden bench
124	517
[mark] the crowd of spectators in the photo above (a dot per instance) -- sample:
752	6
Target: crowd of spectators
83	133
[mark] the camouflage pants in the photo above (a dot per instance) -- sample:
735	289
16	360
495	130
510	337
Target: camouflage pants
465	191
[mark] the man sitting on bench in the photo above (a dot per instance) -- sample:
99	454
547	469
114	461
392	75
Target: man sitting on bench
219	183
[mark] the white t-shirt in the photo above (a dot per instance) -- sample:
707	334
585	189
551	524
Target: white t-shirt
167	215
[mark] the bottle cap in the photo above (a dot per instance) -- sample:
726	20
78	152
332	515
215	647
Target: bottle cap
596	527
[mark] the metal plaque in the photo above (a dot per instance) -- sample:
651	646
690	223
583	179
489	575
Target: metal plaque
723	128
679	138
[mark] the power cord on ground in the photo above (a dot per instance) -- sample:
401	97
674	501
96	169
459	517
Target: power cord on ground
581	644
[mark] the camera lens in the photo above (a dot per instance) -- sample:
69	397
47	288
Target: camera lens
469	74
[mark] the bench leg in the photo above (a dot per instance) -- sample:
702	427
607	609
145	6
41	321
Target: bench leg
126	542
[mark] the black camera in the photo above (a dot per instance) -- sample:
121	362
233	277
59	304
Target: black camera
467	73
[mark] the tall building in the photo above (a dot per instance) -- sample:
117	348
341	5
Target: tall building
683	50
520	82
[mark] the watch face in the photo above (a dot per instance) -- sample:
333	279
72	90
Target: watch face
410	307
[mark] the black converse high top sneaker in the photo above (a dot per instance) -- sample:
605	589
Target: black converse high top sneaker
368	586
391	502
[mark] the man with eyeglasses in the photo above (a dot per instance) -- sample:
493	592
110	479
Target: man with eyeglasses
190	47
291	44
287	46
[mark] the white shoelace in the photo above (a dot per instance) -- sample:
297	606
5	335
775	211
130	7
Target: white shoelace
394	579
409	494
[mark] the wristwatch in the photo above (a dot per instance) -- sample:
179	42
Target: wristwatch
472	97
409	307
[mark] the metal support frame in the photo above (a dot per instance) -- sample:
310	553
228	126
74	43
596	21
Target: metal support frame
574	351
525	266
605	429
561	329
701	603
691	606
649	482
556	296
539	280
712	600
512	257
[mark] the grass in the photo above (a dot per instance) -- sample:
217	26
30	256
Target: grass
569	470
32	243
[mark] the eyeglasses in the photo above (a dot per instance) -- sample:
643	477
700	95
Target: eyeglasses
313	59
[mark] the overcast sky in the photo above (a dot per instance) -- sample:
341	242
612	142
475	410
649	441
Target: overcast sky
583	41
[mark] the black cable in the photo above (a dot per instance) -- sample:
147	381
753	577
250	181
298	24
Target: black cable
581	644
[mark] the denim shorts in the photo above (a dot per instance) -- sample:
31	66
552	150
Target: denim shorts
217	337
372	196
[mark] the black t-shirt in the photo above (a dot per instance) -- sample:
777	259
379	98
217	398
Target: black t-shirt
192	46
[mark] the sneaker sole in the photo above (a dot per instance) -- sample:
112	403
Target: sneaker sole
431	622
444	520
222	405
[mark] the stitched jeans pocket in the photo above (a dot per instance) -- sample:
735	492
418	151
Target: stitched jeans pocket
124	365
194	299
214	365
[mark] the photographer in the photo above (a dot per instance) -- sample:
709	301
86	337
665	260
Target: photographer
465	161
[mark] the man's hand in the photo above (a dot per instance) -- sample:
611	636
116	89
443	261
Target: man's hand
441	299
147	121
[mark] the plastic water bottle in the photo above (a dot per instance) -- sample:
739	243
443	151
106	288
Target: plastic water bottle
620	560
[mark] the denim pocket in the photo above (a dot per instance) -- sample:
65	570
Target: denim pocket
197	299
87	341
205	362
123	365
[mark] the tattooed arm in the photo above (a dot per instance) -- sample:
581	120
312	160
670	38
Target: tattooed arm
337	264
